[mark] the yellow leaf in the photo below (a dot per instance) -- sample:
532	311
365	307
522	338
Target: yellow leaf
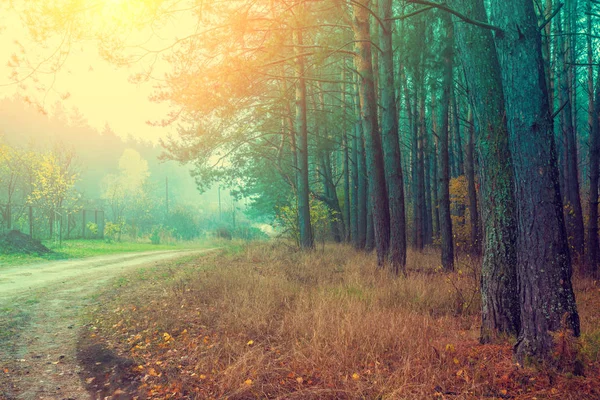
450	348
202	376
455	360
248	382
250	342
355	376
299	379
167	337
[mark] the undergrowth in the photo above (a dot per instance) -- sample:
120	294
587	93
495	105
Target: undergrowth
265	321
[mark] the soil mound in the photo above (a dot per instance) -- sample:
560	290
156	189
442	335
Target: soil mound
17	242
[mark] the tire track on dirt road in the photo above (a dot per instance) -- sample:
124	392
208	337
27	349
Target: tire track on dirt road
40	309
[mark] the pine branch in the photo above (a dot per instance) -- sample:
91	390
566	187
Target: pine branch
463	17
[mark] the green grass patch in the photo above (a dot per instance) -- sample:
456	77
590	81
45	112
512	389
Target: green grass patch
73	249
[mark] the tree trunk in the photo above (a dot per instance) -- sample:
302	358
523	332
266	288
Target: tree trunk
499	292
306	235
593	251
543	262
460	163
346	161
363	206
391	146
428	220
434	166
417	220
573	211
475	238
374	151
354	210
444	188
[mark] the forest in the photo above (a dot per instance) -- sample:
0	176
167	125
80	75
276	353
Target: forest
430	170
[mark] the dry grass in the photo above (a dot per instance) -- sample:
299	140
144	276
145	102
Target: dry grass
266	321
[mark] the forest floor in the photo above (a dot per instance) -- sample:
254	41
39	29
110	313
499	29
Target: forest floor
267	321
41	307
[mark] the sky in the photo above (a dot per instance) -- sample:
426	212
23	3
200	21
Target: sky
100	91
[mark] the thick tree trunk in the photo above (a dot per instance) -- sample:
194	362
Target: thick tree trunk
444	188
499	292
306	236
593	252
391	146
543	262
378	198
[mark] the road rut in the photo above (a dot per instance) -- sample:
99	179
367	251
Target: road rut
41	305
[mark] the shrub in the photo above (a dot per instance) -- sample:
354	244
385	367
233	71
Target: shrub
184	223
320	218
113	231
93	228
161	234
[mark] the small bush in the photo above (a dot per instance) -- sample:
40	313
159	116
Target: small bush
161	234
113	231
93	228
184	223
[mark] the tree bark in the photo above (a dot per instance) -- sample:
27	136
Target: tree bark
306	235
593	251
500	310
346	161
543	262
573	211
475	238
391	146
444	188
374	151
363	204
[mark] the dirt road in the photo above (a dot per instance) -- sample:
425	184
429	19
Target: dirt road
40	308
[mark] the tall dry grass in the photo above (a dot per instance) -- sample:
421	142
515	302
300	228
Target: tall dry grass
267	321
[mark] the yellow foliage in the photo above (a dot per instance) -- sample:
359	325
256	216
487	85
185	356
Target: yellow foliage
459	209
